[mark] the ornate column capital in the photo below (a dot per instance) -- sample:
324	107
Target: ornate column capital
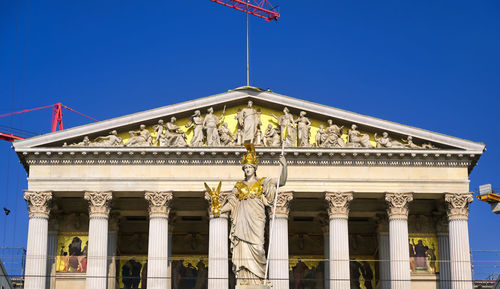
338	204
215	203
99	203
458	205
159	203
282	205
397	205
38	203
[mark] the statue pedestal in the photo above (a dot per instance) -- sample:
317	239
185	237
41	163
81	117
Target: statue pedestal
253	287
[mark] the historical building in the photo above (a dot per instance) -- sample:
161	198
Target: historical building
368	203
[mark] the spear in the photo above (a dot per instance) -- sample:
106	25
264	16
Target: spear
274	205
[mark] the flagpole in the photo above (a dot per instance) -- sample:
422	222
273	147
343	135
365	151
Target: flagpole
274	212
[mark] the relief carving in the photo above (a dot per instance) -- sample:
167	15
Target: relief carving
140	138
286	122
357	139
196	124
174	135
249	123
211	123
38	203
386	142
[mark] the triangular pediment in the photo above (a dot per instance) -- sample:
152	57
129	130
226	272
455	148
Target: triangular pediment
268	105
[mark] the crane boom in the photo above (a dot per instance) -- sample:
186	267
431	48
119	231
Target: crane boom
259	8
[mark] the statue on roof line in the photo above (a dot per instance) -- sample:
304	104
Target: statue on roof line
286	124
249	123
174	135
357	139
196	123
246	204
303	125
226	136
386	142
211	124
159	130
140	138
333	136
272	137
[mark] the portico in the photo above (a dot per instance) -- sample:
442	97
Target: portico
347	215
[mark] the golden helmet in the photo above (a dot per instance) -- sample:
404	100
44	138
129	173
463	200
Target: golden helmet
250	157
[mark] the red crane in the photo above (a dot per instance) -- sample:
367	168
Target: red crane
259	8
57	119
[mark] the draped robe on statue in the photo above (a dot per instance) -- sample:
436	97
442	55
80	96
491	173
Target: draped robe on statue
248	221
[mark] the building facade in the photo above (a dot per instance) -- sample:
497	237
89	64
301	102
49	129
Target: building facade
368	203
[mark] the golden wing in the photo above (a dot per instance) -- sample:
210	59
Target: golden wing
218	188
209	190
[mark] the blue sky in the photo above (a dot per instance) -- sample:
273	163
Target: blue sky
429	64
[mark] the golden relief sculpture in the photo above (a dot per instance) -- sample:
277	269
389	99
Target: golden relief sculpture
259	126
213	196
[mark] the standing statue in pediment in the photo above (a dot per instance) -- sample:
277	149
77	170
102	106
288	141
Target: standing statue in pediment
174	135
111	140
196	123
303	130
357	139
320	137
249	122
160	131
211	124
226	136
272	137
386	142
140	138
286	123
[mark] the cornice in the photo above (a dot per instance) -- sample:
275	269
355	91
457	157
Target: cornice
231	156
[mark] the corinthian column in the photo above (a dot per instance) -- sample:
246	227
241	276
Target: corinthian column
99	207
278	252
159	208
36	253
397	210
384	252
458	214
338	211
218	266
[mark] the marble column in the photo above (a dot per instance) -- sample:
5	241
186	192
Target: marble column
278	252
52	253
171	224
460	264
112	244
36	253
159	209
218	258
384	252
338	212
397	210
442	230
97	254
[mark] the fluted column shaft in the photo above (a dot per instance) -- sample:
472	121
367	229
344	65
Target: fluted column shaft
112	243
158	239
38	227
398	240
218	263
278	251
326	255
51	259
460	264
97	256
338	211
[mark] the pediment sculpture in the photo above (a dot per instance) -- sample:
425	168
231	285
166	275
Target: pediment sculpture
259	126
